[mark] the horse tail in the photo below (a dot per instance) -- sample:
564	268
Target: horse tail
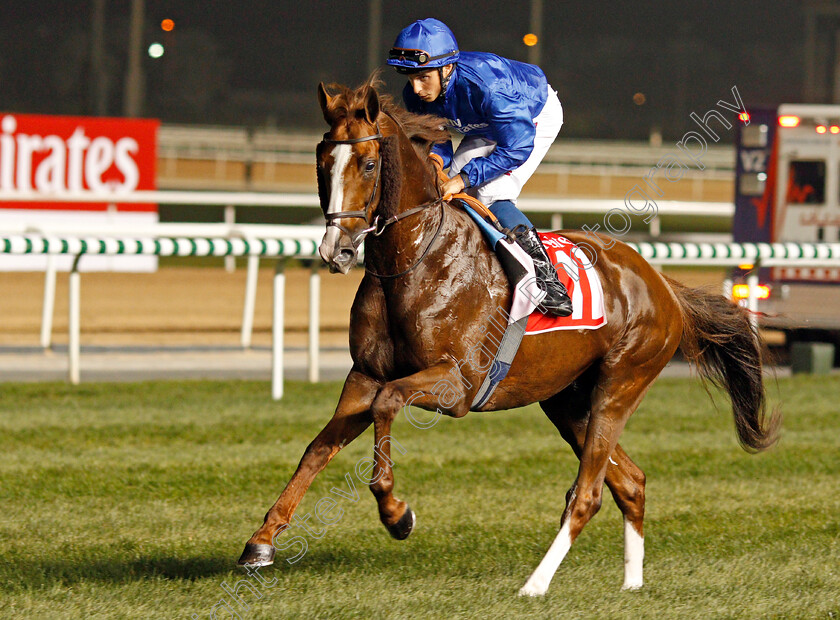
723	344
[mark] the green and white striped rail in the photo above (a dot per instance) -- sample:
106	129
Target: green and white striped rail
717	254
749	256
252	248
158	246
729	254
793	254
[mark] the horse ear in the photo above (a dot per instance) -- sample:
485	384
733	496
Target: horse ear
371	105
324	99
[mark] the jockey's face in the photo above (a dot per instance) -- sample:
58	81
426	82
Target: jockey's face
426	84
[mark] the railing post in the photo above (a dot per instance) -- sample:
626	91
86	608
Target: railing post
314	322
556	221
230	220
49	303
250	300
277	331
655	227
74	323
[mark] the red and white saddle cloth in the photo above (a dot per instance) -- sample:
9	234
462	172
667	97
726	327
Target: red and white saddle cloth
583	283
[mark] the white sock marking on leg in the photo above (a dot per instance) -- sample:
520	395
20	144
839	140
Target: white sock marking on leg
634	555
537	583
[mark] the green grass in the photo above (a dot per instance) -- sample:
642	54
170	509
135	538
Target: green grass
134	501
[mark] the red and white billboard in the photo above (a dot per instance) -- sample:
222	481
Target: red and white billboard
54	155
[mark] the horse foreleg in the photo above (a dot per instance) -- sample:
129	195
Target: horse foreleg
352	416
417	389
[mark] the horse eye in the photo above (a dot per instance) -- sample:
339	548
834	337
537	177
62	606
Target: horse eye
369	166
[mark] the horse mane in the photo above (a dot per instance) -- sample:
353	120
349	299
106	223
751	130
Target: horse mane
423	130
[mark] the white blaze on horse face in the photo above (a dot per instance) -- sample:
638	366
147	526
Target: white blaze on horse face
341	156
634	555
537	583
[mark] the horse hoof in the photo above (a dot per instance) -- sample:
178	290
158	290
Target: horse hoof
402	528
257	555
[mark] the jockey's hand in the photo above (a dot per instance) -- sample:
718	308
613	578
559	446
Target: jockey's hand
453	186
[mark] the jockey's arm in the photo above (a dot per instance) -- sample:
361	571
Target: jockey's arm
444	151
513	131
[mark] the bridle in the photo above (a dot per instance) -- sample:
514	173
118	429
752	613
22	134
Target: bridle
356	238
379	224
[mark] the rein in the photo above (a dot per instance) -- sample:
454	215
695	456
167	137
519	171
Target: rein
378	225
388	276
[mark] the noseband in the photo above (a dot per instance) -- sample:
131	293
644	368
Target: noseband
378	225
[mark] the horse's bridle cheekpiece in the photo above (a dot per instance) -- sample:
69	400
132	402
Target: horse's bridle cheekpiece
378	225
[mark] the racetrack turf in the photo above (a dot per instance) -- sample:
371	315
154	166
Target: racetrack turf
134	501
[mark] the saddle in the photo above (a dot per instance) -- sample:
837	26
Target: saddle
524	317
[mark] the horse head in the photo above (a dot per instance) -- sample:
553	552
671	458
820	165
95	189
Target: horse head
349	169
360	165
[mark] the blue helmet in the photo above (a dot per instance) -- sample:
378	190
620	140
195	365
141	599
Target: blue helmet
425	44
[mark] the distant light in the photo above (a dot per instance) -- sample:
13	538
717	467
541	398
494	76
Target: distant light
167	25
821	128
762	176
834	129
744	116
639	99
789	121
746	266
742	291
530	39
156	50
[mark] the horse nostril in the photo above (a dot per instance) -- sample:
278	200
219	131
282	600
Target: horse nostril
345	257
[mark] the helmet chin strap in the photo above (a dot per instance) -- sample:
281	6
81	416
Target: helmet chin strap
444	80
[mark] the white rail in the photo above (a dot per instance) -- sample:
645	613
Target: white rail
251	199
720	254
235	144
230	239
77	246
556	206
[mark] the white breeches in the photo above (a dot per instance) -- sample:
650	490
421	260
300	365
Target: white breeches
509	185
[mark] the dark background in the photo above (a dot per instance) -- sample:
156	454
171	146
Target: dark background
258	63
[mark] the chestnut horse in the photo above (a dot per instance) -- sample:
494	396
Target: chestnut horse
422	307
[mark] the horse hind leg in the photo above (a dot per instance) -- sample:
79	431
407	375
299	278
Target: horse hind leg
569	411
626	482
627	485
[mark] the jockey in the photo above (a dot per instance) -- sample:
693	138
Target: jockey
508	115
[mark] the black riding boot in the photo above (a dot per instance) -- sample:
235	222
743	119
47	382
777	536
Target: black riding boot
556	301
